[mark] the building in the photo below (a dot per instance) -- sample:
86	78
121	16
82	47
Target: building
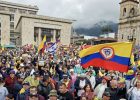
20	25
129	22
102	40
110	35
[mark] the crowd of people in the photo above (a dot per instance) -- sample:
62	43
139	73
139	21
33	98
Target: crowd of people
26	74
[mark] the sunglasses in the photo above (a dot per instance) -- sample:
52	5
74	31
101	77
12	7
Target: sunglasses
33	95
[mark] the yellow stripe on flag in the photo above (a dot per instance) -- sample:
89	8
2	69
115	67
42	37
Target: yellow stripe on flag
42	43
120	48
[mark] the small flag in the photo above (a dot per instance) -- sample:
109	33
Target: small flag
52	48
43	42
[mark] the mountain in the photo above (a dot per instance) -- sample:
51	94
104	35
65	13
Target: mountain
98	28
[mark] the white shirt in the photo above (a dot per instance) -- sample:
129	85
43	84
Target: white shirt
92	81
135	94
3	92
99	90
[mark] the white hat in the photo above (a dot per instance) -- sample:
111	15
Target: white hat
71	70
22	65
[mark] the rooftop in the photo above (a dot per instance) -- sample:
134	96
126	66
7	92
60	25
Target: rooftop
45	18
19	5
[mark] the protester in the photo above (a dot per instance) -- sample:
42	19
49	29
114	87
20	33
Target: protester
24	92
88	92
99	90
45	87
106	96
33	80
136	92
63	93
34	95
10	81
53	95
58	75
113	89
3	90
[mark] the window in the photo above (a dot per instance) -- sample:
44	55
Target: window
32	12
11	34
13	41
13	10
128	37
2	8
122	36
132	12
12	17
22	11
12	25
0	32
124	12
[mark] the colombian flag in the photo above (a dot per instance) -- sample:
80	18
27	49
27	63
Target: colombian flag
110	56
42	44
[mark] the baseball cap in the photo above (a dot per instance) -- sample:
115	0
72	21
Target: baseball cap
36	74
12	72
53	93
26	83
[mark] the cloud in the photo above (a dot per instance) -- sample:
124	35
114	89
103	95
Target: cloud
86	12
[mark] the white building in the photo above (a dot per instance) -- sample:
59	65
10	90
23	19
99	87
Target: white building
108	35
20	25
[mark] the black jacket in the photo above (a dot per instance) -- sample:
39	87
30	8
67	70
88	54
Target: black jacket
44	90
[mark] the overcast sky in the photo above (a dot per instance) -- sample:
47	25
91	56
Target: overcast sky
86	12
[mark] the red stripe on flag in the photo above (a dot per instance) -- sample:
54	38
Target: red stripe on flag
106	65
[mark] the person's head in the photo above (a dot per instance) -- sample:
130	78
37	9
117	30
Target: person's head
37	75
53	95
65	70
22	69
1	81
62	88
20	78
71	71
106	96
87	88
121	83
33	90
12	73
104	80
138	84
113	83
9	97
83	98
46	79
26	85
46	68
33	97
82	76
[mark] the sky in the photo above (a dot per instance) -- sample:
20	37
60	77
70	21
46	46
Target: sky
85	12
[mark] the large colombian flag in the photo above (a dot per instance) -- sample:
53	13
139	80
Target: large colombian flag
110	56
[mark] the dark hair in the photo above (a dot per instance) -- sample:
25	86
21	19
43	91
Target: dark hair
32	87
63	84
83	96
10	96
89	86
